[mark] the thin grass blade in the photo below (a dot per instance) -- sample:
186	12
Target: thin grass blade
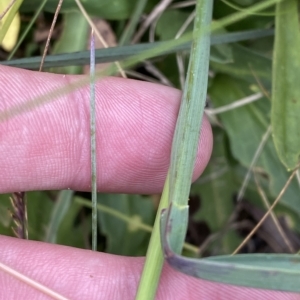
93	144
120	53
187	131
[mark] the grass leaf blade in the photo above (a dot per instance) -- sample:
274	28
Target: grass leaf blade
120	53
187	130
286	92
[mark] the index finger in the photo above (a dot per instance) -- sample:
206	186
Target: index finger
47	147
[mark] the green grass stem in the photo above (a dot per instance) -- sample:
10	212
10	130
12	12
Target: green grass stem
154	258
93	144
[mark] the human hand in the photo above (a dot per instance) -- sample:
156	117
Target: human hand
47	147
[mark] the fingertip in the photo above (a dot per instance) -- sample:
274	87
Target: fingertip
135	128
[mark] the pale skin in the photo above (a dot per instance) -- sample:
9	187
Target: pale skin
48	148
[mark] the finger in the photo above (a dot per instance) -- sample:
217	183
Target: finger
83	274
47	147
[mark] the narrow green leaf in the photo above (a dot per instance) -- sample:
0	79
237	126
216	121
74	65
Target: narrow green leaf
276	272
120	53
286	92
187	129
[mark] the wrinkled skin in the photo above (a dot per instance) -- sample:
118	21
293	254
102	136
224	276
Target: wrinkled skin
48	148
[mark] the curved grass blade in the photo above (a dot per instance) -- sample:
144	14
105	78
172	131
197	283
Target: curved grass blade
119	53
286	92
276	272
